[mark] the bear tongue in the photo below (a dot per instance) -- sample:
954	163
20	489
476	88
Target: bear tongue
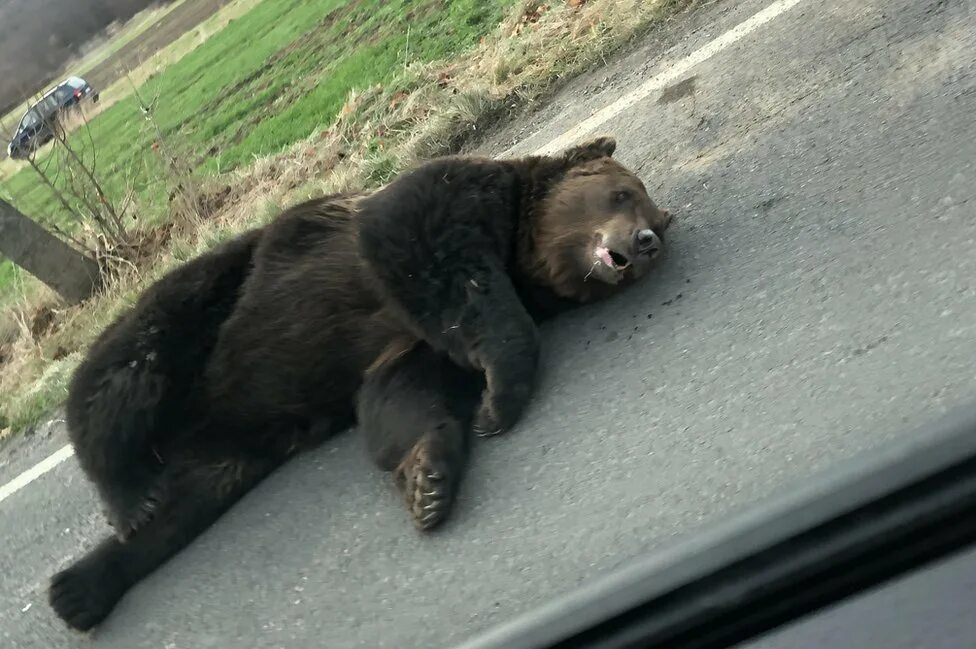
603	253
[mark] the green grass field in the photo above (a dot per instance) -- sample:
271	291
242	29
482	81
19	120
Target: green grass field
8	276
267	80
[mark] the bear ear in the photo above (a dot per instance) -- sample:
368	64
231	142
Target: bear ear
601	147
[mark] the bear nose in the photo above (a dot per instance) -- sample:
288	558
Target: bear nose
646	242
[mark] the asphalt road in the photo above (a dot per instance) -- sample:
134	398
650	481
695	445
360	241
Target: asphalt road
818	298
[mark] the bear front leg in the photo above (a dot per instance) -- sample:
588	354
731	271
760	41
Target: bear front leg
450	287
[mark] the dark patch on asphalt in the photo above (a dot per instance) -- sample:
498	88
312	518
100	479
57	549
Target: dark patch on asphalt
672	300
676	91
860	351
770	203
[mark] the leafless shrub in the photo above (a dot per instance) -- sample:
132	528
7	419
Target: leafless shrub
184	186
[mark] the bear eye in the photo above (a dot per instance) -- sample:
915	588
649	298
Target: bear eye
621	196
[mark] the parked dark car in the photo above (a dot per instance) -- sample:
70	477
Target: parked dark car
34	129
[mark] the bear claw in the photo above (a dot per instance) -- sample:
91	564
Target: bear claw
487	433
135	518
484	428
488	422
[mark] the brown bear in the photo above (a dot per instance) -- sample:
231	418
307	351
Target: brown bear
410	311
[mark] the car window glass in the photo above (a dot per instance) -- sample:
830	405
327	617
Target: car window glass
48	104
30	119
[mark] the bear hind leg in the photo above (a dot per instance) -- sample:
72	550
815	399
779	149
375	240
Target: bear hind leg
87	591
429	475
415	411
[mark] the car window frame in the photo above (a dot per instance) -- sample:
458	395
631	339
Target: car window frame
871	519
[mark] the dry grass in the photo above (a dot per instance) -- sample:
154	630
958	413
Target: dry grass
428	110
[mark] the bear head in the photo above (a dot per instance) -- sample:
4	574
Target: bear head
594	229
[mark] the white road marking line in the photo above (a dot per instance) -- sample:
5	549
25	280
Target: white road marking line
663	79
562	141
36	471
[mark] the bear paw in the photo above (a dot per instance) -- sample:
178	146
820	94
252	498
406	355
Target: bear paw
485	423
426	486
128	518
81	597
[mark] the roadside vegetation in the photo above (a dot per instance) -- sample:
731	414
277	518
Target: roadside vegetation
292	99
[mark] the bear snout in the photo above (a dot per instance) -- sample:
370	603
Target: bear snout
647	243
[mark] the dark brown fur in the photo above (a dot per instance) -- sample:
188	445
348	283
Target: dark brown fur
411	310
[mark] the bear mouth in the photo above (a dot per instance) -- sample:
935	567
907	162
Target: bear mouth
611	258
